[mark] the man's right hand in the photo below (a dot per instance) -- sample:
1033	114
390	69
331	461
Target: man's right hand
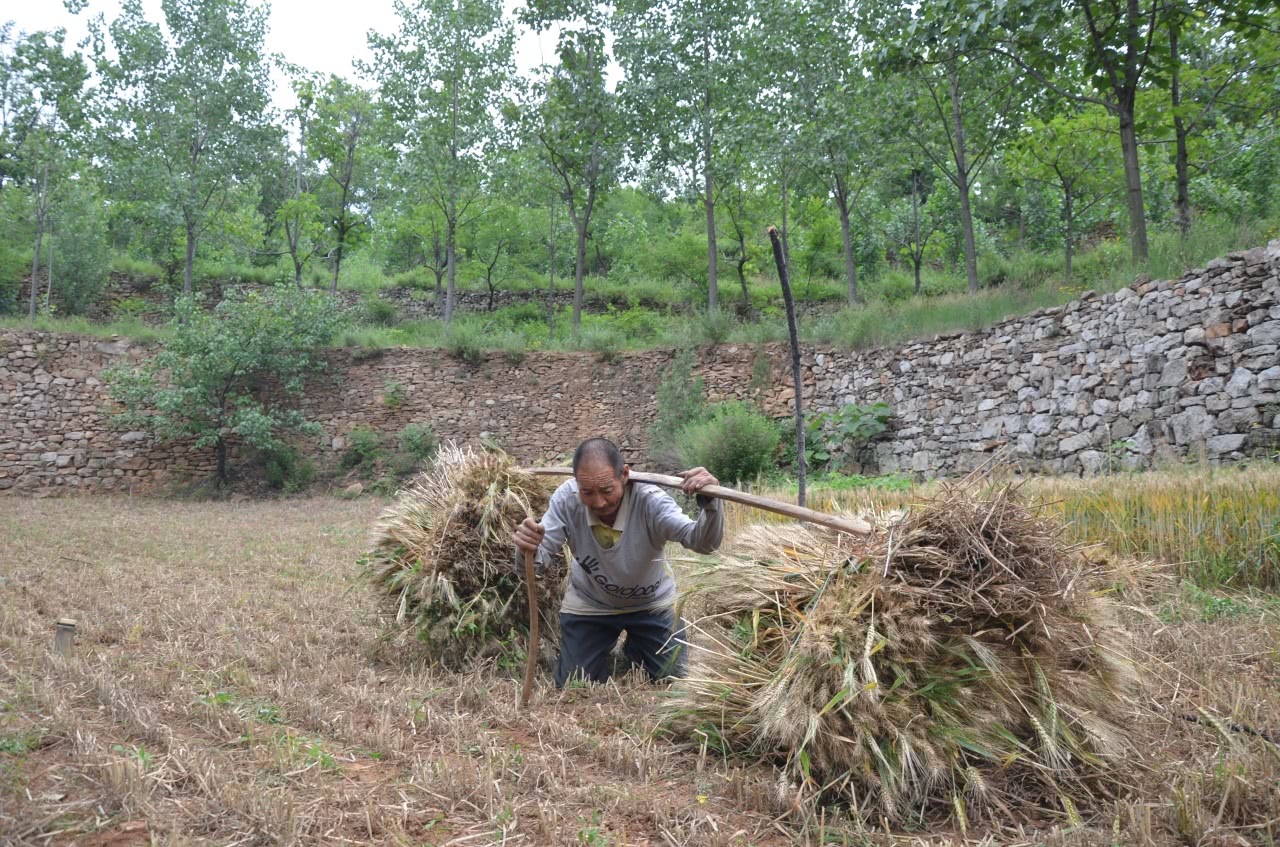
529	535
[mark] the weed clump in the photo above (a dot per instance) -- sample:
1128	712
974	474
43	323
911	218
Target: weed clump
443	560
958	663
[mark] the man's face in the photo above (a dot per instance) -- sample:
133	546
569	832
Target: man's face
600	489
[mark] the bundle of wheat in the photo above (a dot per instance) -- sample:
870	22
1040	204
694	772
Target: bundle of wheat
958	663
443	560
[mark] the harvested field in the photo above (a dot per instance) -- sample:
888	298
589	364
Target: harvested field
229	686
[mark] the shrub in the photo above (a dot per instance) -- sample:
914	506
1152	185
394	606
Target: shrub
364	449
736	443
81	256
464	342
605	342
287	470
12	263
851	424
376	311
715	329
393	394
418	441
679	402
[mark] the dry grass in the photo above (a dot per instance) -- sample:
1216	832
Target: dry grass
961	663
229	687
1218	527
443	562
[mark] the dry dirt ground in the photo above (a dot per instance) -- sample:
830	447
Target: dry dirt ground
229	685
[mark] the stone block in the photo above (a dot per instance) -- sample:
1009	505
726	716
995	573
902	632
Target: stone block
1192	426
1075	443
1220	444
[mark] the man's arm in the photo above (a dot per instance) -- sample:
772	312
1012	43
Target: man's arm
553	531
701	536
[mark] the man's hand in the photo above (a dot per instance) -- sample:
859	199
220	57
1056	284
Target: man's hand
529	535
696	478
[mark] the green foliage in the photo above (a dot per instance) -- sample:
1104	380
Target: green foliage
418	441
376	311
81	259
288	470
364	449
12	264
736	442
207	382
849	427
464	343
604	341
393	395
680	400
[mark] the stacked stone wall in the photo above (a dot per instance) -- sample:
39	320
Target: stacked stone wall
1159	370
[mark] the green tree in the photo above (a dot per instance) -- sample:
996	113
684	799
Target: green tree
580	131
1100	52
186	106
339	139
1068	153
690	92
233	372
842	127
43	106
442	77
78	250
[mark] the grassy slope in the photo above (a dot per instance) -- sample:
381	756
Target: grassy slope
888	315
229	682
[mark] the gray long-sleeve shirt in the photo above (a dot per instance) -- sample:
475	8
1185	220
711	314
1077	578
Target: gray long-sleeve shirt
633	575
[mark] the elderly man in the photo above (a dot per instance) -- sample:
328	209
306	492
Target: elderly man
619	578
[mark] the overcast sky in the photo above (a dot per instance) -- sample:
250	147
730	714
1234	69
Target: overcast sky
323	35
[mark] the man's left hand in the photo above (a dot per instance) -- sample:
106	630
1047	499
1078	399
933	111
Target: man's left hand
696	478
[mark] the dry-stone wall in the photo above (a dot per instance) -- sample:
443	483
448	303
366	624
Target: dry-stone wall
1161	369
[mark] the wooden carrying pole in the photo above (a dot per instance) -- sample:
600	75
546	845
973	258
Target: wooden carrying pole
853	526
531	662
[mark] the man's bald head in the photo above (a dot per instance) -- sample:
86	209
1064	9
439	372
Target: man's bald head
599	452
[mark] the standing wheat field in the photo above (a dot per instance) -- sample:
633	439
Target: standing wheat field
232	682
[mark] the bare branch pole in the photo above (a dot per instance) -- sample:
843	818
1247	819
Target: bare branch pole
531	660
852	526
779	258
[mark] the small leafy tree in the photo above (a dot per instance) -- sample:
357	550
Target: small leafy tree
235	372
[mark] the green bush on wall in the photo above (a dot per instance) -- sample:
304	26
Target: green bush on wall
737	442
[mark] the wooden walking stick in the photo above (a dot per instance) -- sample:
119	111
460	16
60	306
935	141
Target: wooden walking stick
854	526
531	662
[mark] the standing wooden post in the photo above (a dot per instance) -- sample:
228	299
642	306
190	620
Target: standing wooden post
64	636
531	661
780	259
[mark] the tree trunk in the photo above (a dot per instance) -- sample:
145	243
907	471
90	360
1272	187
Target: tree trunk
846	235
962	185
337	263
35	268
579	270
708	197
450	256
797	382
42	207
1133	182
48	291
190	261
1181	203
222	461
786	204
1068	221
917	252
710	204
551	278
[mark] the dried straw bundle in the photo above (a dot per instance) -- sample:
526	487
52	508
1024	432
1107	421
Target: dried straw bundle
443	559
959	663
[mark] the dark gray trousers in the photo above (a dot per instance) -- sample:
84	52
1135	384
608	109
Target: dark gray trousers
585	642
